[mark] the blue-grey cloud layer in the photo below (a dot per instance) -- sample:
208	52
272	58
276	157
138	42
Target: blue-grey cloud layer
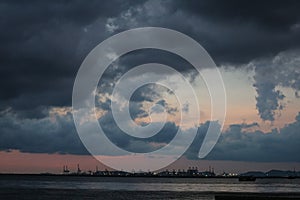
57	135
238	144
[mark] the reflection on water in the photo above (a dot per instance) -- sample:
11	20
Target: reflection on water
151	184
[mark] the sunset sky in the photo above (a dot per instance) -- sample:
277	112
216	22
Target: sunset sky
255	45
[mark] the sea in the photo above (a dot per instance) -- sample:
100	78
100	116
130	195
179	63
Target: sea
79	187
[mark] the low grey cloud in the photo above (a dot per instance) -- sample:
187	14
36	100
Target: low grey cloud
52	134
56	134
135	144
240	144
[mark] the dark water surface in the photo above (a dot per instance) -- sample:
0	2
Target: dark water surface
74	187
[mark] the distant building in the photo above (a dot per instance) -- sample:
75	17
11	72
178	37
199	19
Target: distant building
65	169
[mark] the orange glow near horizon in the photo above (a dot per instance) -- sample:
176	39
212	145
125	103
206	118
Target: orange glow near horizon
18	162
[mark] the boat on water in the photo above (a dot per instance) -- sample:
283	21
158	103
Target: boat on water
247	178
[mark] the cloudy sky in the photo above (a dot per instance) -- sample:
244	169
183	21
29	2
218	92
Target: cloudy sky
255	45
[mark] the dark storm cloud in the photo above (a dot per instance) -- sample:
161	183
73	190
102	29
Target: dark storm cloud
238	144
277	15
139	57
41	48
232	32
258	28
44	43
